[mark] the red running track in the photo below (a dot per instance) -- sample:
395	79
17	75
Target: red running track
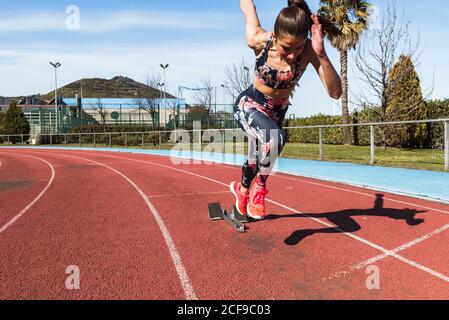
136	226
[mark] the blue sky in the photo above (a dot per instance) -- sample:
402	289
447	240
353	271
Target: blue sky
198	38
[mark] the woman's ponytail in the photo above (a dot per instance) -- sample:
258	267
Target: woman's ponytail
296	20
301	4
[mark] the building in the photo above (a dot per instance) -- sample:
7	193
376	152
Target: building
151	112
72	112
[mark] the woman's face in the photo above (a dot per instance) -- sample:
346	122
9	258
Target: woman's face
290	47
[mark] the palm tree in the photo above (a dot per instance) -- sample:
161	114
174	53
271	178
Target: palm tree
351	18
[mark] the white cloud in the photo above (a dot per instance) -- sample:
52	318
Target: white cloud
35	21
26	70
9	54
32	21
31	73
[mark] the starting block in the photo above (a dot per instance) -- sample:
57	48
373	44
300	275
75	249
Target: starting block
234	218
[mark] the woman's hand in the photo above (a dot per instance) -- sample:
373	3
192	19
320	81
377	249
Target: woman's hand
317	37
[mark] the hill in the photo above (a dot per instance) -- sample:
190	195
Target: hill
117	87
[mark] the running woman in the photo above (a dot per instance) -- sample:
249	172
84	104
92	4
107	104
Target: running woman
282	57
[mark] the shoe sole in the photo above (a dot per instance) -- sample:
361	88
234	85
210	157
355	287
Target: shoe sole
231	187
248	212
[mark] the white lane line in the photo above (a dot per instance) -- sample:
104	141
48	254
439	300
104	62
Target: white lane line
17	217
187	194
389	253
373	245
360	239
182	273
361	193
324	185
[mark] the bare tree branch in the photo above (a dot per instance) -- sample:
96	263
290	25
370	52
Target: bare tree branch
205	95
98	107
149	98
238	78
377	55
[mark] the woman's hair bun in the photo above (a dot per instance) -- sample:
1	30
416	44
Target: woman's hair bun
301	4
296	3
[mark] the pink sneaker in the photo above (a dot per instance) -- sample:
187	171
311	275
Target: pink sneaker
256	203
241	200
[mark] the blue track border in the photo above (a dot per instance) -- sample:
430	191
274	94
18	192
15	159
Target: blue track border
423	184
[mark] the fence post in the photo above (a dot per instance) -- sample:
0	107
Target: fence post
126	138
224	142
51	139
446	146
22	139
109	140
80	139
200	140
65	139
372	144
160	140
321	143
143	147
95	140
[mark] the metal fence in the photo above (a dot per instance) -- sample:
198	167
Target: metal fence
374	137
201	137
44	119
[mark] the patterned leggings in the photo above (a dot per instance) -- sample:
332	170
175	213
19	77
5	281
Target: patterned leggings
261	118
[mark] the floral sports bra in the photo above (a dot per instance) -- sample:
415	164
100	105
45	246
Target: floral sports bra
276	79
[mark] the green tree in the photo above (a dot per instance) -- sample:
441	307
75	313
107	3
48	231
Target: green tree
437	109
2	126
351	18
406	104
2	123
16	122
197	113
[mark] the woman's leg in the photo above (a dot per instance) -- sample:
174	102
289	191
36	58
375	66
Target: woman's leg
249	172
268	140
271	141
266	143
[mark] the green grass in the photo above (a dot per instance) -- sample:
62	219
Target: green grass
423	159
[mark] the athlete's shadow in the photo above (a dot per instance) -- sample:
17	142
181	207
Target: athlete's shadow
343	221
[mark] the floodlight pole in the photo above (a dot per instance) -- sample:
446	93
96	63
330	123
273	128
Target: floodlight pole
164	67
161	86
56	66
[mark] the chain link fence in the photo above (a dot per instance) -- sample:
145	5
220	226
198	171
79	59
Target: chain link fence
304	142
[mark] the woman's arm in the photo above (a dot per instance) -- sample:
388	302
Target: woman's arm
329	77
256	36
323	66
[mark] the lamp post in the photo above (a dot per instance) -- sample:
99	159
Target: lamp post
229	90
160	85
215	87
164	67
247	79
81	103
56	66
